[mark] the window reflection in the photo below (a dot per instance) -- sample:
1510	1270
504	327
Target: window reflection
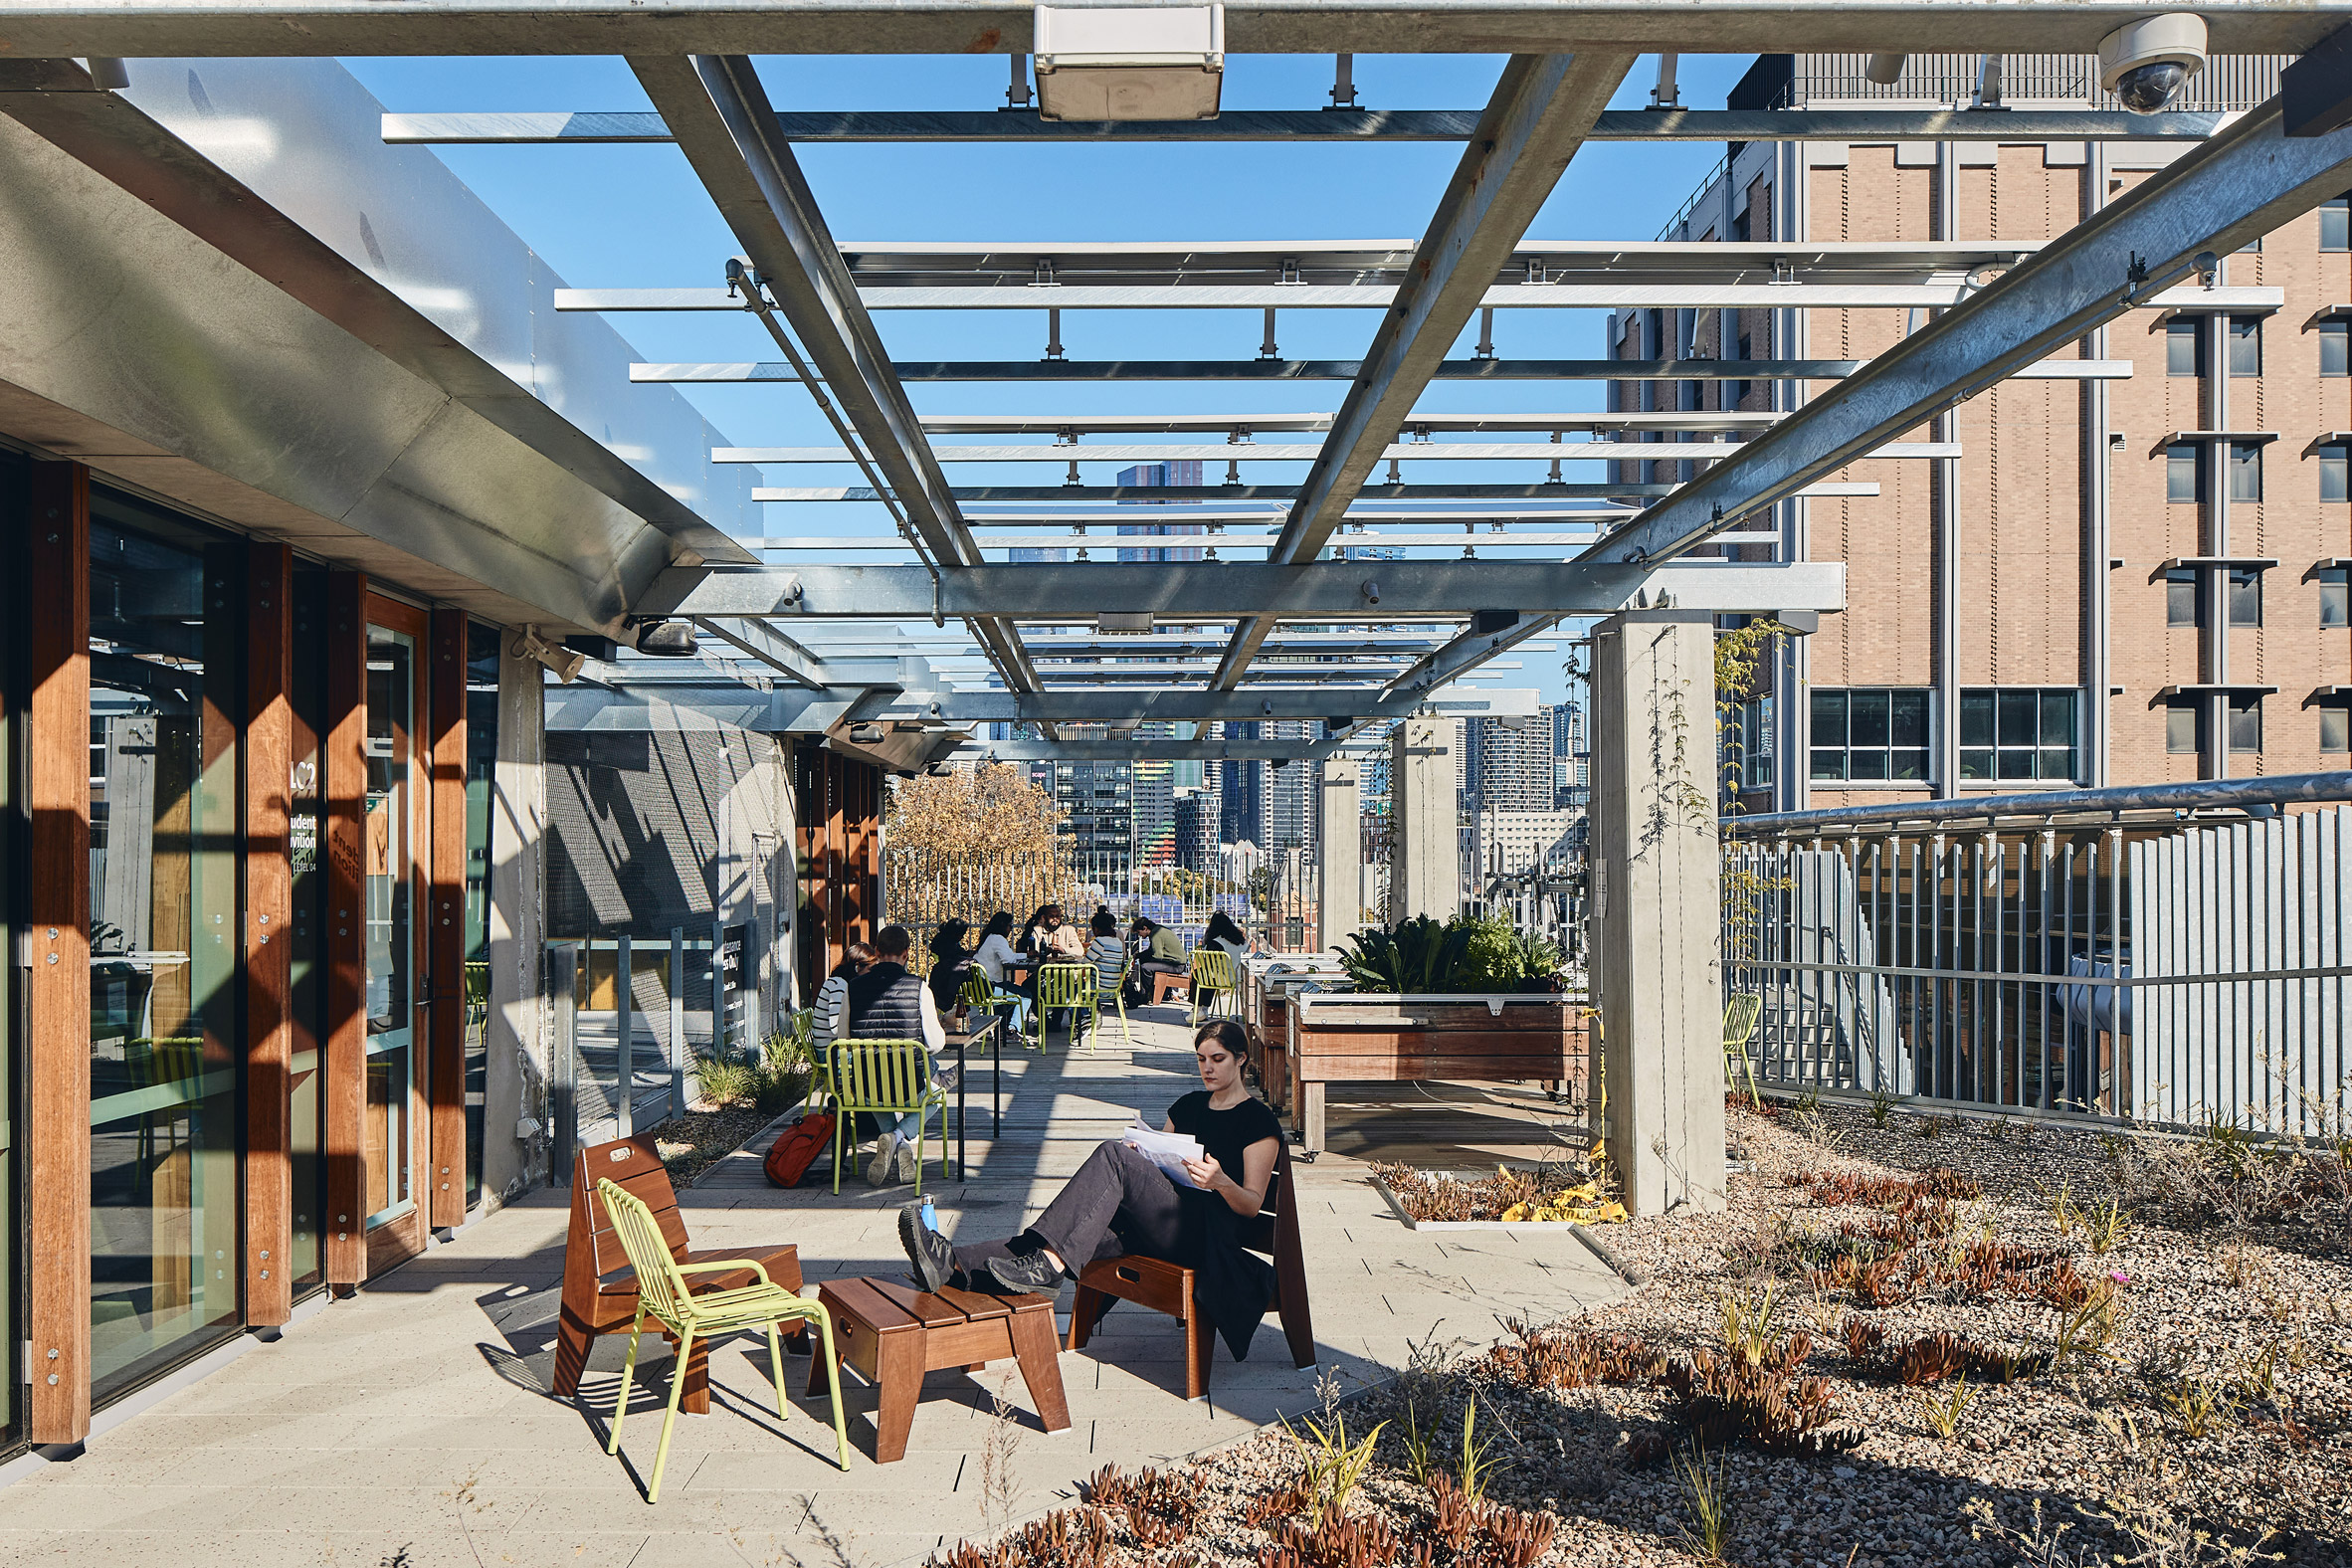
164	943
389	851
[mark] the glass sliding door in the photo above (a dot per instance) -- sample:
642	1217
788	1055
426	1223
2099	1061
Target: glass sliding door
306	824
392	843
482	644
165	922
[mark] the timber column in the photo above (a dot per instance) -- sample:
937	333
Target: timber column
1656	901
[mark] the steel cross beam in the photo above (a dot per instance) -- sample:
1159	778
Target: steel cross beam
2244	182
1075	370
1171	707
1352	592
1543	109
727	127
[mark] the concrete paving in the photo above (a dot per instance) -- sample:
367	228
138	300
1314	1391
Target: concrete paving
412	1424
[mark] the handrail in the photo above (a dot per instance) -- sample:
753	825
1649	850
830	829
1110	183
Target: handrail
2195	795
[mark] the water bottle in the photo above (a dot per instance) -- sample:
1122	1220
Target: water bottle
930	1216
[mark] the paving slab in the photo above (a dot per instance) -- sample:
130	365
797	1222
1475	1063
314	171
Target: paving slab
413	1424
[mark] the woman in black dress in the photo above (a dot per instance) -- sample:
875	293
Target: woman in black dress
1120	1203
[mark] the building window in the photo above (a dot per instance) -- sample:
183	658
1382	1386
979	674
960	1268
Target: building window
1871	734
2183	469
2335	223
2335	596
2245	724
2245	345
2180	596
2018	734
1739	228
1753	735
2246	471
2246	596
2335	348
2184	724
2336	724
2184	345
2335	472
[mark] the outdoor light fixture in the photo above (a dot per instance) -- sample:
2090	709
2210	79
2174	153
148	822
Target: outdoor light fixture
566	663
1885	69
667	639
1155	62
1122	621
866	734
2145	64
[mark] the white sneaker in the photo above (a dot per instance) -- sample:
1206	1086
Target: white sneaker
886	1154
904	1168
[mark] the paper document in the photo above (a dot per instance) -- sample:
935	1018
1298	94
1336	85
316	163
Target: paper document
1167	1150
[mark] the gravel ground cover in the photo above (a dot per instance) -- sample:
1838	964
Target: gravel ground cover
1910	1340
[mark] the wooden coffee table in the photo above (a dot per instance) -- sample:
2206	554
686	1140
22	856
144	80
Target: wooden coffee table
893	1334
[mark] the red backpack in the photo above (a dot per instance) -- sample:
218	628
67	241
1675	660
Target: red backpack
796	1148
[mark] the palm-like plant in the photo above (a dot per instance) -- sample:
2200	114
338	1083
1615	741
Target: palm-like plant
1418	957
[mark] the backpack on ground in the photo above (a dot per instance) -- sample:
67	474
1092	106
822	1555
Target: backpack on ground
796	1148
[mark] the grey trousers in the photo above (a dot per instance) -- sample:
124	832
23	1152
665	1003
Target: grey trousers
1117	1202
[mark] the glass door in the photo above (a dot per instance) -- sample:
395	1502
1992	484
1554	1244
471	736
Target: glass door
391	843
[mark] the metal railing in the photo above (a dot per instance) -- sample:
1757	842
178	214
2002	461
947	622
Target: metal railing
2168	955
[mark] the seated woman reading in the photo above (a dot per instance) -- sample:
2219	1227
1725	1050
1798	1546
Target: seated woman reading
1120	1203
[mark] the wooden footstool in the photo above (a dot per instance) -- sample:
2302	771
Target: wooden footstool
893	1334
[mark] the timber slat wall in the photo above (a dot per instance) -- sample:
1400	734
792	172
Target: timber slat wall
836	812
57	1046
269	935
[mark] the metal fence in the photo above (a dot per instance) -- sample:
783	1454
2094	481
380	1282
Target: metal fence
2172	955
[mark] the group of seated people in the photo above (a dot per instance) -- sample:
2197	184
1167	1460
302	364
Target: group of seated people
872	994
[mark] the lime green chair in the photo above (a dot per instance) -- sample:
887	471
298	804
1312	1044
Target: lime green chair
664	1296
1211	981
1739	1025
1073	986
1119	999
890	1077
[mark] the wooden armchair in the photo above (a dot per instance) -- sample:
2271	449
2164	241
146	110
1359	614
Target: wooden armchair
599	1287
1169	1287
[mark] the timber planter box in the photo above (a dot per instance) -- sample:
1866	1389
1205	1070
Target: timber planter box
1357	1038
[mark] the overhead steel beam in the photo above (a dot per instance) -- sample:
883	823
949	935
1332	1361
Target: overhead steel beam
725	125
1144	749
771	647
1668	291
2214	200
158	28
1167	706
1349	369
1310	124
1538	491
1075	425
1301	452
1190	591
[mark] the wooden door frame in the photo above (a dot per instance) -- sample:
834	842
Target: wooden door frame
396	1241
445	975
268	934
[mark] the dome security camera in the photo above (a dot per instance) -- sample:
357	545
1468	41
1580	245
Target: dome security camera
2145	64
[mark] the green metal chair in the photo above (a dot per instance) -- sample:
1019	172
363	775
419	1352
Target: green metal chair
1739	1025
890	1077
1064	985
1118	998
1211	981
664	1296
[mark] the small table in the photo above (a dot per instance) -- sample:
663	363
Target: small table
893	1334
961	1041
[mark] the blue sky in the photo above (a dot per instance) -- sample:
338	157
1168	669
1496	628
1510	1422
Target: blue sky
633	217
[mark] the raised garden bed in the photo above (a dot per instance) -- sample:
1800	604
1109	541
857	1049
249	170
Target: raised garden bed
1367	1038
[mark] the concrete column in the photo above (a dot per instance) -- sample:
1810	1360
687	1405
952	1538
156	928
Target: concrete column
1340	848
514	1087
1656	905
1426	877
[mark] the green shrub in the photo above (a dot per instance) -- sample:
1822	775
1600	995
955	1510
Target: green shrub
1421	957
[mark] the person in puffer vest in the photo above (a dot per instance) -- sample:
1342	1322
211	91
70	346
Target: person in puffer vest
887	1002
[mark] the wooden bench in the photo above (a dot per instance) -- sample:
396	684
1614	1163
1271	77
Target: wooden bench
600	1289
1361	1039
1169	1287
893	1334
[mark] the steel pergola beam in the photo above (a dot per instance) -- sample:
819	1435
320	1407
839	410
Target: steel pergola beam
1174	592
724	125
509	128
254	28
1171	707
2213	201
1077	371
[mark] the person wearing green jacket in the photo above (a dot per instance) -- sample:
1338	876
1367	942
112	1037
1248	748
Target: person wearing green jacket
1158	950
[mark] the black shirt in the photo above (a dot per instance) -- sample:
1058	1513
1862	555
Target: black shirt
1225	1133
